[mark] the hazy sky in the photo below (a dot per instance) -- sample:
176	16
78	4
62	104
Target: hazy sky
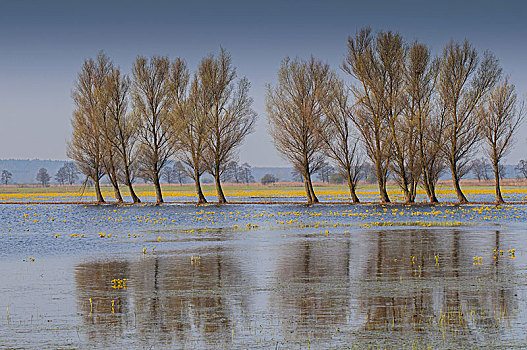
43	44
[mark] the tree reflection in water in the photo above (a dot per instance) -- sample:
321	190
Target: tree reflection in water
403	290
371	286
168	300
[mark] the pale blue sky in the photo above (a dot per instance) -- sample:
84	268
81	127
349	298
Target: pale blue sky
43	44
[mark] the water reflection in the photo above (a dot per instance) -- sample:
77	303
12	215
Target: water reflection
93	281
312	288
168	299
412	283
404	288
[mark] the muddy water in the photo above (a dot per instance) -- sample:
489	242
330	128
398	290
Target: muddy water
297	277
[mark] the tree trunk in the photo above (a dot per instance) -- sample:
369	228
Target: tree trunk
219	190
413	192
404	186
157	185
407	195
499	198
351	186
100	199
112	176
201	197
314	198
455	179
383	192
308	192
432	190
381	179
115	185
135	199
117	193
429	188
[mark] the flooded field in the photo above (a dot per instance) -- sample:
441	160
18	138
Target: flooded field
263	276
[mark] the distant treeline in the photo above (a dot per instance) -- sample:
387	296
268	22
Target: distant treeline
404	114
23	171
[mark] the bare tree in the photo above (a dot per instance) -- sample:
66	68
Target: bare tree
67	174
502	171
5	177
121	129
325	171
500	119
390	64
427	121
364	62
230	117
340	143
43	177
296	176
71	172
61	176
85	149
480	167
370	173
246	174
104	67
174	174
113	171
294	115
167	173
189	122
179	173
87	143
151	101
463	85
232	172
521	168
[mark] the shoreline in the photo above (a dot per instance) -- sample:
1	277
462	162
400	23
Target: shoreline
114	203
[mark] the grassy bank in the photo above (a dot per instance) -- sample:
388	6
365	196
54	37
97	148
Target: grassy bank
481	192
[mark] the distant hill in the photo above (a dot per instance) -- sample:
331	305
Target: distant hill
25	170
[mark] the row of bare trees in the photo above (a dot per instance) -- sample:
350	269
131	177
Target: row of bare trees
126	127
411	114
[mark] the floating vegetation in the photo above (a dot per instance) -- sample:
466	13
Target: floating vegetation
414	223
118	283
195	260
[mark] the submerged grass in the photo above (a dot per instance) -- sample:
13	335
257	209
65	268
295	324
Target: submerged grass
418	223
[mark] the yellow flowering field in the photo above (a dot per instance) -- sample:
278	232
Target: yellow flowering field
249	193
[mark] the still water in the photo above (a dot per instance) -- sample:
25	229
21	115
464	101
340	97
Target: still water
254	276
